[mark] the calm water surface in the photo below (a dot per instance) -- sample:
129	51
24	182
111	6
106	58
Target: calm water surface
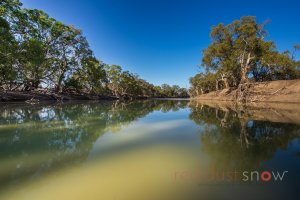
158	149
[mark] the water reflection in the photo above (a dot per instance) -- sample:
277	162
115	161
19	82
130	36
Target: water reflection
235	140
124	145
40	138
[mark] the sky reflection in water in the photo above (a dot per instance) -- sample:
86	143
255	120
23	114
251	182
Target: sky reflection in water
134	150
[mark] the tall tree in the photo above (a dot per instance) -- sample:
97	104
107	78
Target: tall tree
113	74
239	51
70	48
9	49
8	52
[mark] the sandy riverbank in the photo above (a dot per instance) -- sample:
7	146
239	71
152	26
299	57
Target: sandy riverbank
287	91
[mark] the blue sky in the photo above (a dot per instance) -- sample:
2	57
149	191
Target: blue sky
162	40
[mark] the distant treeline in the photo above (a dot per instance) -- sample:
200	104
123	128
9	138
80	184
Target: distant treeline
239	54
41	53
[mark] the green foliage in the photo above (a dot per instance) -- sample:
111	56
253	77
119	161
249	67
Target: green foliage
202	83
9	6
173	91
124	84
39	51
239	52
91	78
8	48
33	63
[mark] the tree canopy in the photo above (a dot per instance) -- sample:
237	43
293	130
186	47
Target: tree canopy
239	53
39	52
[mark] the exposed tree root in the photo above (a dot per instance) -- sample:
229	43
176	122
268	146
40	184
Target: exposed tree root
243	92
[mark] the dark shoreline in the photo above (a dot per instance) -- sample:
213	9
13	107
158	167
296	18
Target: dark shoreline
35	97
18	96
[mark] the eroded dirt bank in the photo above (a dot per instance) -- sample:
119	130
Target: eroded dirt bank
273	91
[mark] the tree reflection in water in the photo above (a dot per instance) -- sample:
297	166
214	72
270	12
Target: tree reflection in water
237	141
38	139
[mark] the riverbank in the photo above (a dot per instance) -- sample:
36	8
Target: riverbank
38	96
287	91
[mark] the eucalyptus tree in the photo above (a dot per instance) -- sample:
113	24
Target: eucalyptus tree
8	47
38	37
276	66
71	48
90	78
127	85
219	58
143	88
239	52
249	45
94	75
39	51
195	88
183	93
240	49
157	91
148	89
8	44
166	90
35	62
9	8
29	29
113	76
203	82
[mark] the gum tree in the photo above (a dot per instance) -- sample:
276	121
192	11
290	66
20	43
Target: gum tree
239	52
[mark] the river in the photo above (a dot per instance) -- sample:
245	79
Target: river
150	149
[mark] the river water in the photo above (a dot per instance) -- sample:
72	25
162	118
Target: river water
153	149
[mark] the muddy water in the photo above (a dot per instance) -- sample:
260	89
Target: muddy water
158	149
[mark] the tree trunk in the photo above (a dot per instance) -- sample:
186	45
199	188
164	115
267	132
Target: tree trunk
59	83
217	85
244	75
35	84
31	84
226	82
245	67
224	78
